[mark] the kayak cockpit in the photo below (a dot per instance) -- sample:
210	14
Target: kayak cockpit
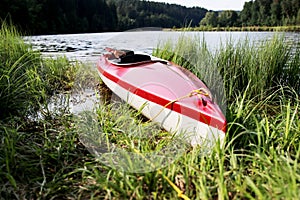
129	57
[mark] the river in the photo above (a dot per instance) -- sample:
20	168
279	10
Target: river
88	47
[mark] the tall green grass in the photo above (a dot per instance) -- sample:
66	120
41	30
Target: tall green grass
259	68
53	163
27	82
19	81
25	78
45	159
238	65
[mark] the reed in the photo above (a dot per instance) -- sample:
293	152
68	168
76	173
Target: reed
58	74
46	158
25	78
238	65
18	73
263	66
67	170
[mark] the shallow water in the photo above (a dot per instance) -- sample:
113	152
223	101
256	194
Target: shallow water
88	47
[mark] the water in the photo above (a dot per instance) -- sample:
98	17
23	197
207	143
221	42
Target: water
88	47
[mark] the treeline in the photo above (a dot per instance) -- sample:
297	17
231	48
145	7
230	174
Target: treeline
271	13
136	13
59	16
80	16
257	13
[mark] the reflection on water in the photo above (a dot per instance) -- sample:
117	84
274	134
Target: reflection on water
87	47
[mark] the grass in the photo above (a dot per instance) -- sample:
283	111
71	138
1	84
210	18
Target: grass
18	72
26	79
45	158
238	65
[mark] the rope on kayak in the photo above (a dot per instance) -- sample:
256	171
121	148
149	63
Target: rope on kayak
198	92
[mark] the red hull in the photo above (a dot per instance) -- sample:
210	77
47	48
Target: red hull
161	84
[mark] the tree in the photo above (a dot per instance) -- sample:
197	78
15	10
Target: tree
210	19
246	13
264	12
227	18
254	15
275	13
298	18
270	12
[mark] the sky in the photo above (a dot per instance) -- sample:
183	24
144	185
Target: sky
209	4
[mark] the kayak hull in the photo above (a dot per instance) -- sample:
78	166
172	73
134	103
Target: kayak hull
165	94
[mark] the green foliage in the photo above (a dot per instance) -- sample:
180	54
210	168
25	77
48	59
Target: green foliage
227	18
245	28
270	13
58	73
20	84
264	66
136	13
50	161
210	19
73	16
257	13
25	79
44	158
221	18
60	16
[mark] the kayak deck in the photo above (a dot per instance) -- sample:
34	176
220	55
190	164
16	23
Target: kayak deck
168	86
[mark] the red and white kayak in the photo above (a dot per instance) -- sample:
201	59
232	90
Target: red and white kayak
167	94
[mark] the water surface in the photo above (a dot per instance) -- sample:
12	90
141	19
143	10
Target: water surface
88	47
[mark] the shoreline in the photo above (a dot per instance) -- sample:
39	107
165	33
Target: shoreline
240	29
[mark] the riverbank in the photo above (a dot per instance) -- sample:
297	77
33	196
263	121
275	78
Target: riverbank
45	158
246	28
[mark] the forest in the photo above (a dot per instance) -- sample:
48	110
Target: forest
59	16
271	13
82	16
135	13
86	16
257	13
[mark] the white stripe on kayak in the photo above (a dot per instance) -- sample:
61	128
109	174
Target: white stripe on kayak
195	132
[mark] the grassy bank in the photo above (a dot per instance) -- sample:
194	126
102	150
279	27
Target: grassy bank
244	28
26	79
27	84
45	158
